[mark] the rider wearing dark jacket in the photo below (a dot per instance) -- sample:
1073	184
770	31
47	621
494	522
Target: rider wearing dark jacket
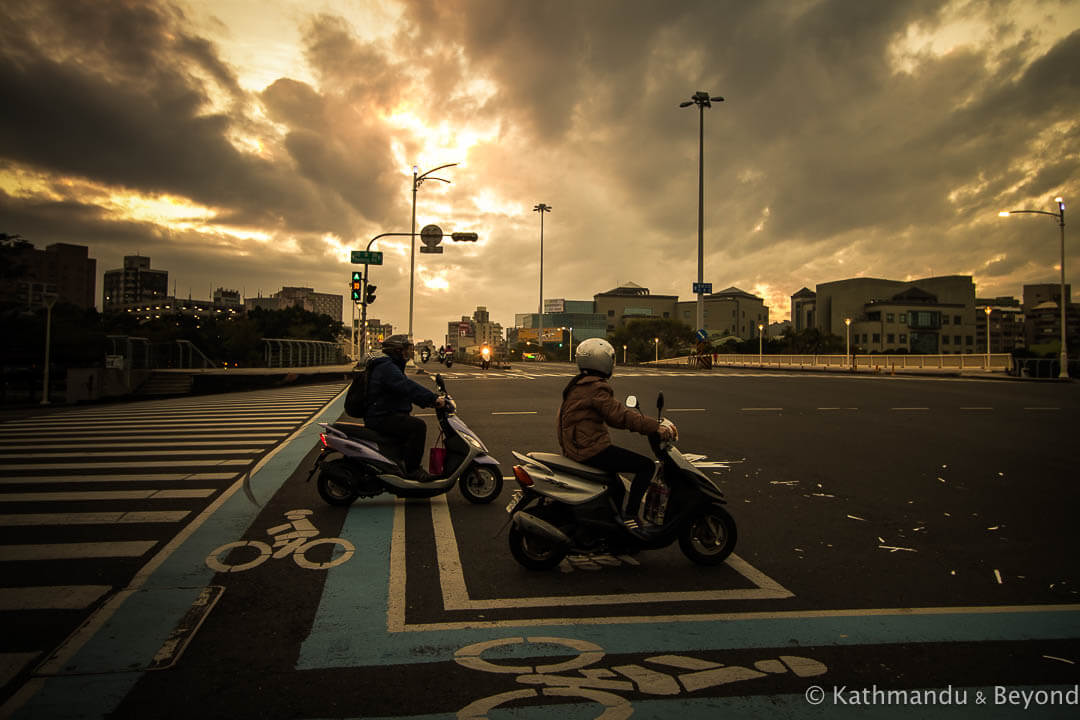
391	396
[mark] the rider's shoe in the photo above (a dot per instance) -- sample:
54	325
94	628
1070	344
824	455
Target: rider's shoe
420	475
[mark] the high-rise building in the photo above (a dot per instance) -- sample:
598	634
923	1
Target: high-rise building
133	284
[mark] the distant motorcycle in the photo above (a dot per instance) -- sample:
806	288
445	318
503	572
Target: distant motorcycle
425	354
446	357
368	464
563	507
485	357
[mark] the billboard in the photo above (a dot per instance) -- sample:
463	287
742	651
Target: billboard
551	335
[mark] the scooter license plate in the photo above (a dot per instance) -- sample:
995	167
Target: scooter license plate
514	500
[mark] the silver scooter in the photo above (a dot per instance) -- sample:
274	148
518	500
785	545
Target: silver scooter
367	465
564	507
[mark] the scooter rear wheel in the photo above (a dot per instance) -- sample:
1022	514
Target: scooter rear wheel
710	537
533	553
334	486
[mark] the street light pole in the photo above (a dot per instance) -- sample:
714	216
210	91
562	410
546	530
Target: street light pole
702	100
541	208
987	309
49	299
417	181
656	342
847	351
760	327
1063	371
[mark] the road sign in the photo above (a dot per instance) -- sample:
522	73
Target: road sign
366	257
702	335
705	288
431	236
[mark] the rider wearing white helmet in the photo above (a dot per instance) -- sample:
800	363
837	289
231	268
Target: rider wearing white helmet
588	406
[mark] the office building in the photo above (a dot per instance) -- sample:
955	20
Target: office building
134	284
61	268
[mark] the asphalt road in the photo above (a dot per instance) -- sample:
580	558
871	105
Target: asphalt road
894	533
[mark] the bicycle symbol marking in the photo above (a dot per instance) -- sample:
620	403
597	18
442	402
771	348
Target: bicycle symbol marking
292	538
600	684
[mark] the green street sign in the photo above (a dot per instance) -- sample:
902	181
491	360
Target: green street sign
366	257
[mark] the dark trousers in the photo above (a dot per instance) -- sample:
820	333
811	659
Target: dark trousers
408	433
620	460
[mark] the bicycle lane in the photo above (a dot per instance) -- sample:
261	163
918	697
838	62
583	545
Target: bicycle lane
147	626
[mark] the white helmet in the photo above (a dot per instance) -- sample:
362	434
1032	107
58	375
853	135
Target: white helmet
596	354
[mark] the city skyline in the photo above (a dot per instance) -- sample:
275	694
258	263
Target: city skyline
254	149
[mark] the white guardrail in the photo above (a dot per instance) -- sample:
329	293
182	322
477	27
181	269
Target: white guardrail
995	362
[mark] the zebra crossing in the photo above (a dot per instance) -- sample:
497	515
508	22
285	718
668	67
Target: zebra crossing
516	374
89	495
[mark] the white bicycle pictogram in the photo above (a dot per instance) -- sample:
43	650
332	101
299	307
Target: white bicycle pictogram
597	684
291	538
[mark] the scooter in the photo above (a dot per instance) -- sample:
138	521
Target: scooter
446	358
485	357
563	507
367	465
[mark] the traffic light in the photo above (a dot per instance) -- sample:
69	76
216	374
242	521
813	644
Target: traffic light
369	294
354	285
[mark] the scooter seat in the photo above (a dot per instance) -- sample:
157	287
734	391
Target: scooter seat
358	432
561	462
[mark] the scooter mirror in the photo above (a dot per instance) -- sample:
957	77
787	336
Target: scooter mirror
659	403
631	401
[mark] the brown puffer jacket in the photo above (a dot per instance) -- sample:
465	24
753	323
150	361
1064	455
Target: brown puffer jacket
586	409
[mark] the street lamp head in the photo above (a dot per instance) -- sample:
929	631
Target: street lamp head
717	99
688	103
987	310
847	321
542	208
1003	213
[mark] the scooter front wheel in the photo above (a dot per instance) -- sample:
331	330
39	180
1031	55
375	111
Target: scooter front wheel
481	484
710	537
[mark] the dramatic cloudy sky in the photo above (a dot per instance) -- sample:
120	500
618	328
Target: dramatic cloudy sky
252	144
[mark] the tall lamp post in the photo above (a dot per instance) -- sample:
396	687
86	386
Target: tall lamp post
49	299
760	327
656	342
541	208
571	343
987	309
847	351
417	181
702	100
1060	215
623	354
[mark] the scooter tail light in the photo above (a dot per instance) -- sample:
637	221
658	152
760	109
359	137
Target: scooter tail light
522	477
322	436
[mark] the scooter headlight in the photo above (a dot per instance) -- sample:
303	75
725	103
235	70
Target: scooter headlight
474	441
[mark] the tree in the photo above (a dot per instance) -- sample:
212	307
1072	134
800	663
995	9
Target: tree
639	338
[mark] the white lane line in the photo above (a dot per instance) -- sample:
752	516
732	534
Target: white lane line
757	409
138	428
837	408
104	465
134	477
75	551
909	408
1042	408
976	408
77	440
193	494
515	412
51	597
159	419
188	443
44	455
456	594
93	518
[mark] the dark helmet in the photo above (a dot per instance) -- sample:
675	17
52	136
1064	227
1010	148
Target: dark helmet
396	344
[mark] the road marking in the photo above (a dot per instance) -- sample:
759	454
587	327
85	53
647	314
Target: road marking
75	551
1042	408
104	465
910	408
163	477
51	597
456	594
124	453
515	412
49	447
976	408
757	409
108	495
93	518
